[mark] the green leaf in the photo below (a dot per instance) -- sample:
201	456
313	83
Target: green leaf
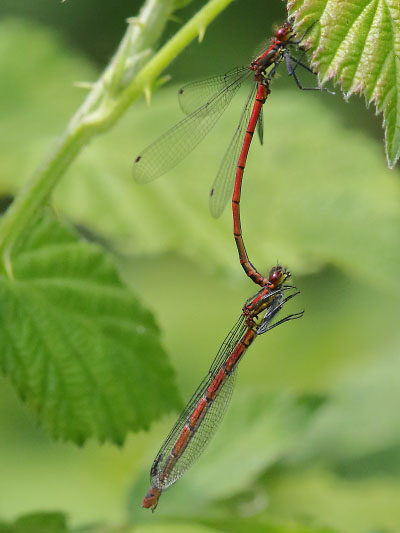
80	349
41	523
37	523
358	45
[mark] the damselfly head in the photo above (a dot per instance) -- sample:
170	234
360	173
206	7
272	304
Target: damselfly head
150	501
278	275
284	32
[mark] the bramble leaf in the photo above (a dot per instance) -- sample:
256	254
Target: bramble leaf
358	45
41	523
78	346
36	523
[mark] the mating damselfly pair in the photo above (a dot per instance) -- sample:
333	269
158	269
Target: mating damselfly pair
204	102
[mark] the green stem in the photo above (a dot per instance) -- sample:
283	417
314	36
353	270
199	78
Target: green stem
109	98
146	77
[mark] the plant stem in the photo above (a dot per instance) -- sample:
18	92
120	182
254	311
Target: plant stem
121	83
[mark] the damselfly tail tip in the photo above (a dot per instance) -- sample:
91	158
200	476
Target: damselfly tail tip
150	501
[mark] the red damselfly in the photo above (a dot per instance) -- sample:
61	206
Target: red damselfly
205	409
204	102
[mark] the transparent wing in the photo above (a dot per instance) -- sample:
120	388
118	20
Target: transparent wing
222	187
169	149
197	93
272	310
163	455
200	438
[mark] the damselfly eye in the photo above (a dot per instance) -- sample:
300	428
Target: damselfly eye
283	33
277	275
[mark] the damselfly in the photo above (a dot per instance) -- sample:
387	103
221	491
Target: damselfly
204	102
194	428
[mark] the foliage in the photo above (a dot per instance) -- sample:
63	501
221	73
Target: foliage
36	523
358	45
77	345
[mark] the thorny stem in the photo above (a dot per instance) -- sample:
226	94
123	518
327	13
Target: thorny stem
121	83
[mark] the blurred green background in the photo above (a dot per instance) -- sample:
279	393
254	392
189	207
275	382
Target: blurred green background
311	441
